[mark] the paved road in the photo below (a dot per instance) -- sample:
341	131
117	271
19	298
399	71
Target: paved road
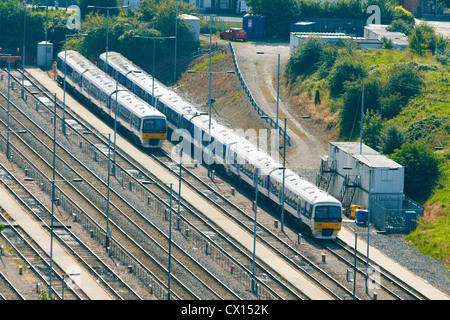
441	27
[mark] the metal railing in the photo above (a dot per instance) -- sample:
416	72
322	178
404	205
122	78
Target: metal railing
395	214
255	105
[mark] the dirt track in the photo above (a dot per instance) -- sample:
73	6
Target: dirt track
260	74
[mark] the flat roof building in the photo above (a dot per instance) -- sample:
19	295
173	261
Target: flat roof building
356	174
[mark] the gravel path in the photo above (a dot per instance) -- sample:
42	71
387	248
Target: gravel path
397	248
307	150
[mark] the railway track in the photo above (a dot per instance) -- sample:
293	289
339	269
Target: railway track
7	290
192	221
382	283
132	179
125	219
39	261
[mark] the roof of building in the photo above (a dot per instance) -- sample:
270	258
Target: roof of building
368	156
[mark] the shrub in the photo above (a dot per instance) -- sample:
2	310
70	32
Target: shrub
344	70
404	15
405	79
401	26
423	39
426	128
391	104
393	139
421	169
372	126
350	114
306	58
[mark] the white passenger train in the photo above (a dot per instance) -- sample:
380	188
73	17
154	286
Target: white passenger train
146	125
318	210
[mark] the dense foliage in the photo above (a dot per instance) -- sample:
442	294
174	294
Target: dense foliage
421	168
406	113
280	14
156	18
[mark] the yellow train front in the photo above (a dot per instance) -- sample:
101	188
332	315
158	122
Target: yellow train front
154	131
144	124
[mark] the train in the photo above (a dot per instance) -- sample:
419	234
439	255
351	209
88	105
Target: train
146	126
221	146
12	61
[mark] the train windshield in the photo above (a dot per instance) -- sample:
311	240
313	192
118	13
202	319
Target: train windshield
154	125
328	214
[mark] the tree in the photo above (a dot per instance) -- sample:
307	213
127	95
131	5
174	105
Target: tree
305	58
423	39
393	139
83	4
317	97
402	14
345	69
400	26
421	169
148	9
404	79
372	126
350	113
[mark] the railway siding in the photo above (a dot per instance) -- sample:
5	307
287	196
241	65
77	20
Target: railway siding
150	165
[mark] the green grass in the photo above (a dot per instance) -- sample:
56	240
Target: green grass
432	235
205	64
433	238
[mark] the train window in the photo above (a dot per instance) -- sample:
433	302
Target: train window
152	125
135	122
328	213
124	114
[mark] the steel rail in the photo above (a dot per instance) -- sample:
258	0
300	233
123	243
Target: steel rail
43	215
36	138
150	237
161	186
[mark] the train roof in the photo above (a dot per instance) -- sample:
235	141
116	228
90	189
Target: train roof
145	80
241	146
119	62
308	190
125	97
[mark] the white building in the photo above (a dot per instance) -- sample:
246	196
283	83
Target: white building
378	31
355	175
194	27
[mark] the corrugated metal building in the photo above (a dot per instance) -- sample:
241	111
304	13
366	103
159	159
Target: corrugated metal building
358	175
367	169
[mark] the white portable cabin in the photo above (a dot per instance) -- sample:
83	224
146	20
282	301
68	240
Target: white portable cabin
368	172
44	54
194	27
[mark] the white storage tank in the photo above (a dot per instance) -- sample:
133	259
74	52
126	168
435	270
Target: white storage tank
194	27
44	54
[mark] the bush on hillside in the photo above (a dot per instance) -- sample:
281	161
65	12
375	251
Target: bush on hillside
404	79
350	114
306	58
393	139
423	39
372	126
400	26
421	169
344	70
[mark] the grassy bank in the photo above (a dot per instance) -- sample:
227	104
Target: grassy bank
424	117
